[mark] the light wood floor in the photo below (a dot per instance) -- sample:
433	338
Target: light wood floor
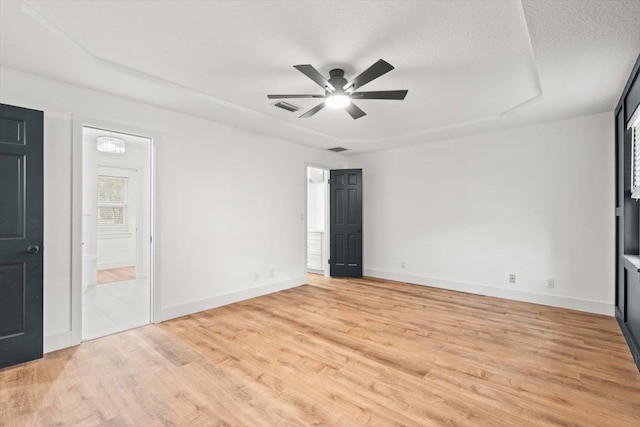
341	353
116	275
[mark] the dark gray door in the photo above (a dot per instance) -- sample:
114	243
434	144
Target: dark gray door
345	223
21	213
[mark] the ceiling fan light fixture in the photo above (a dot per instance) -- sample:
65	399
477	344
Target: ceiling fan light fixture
337	100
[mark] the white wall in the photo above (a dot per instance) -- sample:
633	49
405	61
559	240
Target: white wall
212	180
464	214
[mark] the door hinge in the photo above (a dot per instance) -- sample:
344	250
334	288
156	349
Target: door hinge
328	261
150	239
328	181
618	211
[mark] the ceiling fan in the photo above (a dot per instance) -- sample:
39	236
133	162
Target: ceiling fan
339	93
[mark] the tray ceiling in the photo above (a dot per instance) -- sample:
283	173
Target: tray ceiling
469	66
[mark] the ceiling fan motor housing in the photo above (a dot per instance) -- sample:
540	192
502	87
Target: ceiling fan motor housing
337	80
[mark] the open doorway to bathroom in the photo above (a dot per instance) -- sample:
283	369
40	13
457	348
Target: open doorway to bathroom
116	232
317	217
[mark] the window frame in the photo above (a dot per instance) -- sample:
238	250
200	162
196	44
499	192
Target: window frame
128	176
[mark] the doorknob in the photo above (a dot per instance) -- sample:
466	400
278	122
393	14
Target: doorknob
33	249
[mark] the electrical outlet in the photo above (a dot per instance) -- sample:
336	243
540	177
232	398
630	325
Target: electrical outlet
271	273
551	283
402	264
256	276
512	278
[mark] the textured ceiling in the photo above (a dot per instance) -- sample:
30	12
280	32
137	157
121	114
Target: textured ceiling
469	66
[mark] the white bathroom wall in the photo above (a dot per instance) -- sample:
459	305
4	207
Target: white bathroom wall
466	213
230	204
121	249
118	248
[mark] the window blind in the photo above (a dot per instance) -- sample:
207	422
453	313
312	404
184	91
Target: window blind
112	201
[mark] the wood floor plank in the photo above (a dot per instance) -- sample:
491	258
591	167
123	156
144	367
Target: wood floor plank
119	274
340	352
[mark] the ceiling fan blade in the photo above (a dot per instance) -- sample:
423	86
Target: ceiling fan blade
376	70
313	111
354	111
381	94
315	75
293	96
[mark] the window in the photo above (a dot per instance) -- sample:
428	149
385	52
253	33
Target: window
634	125
113	199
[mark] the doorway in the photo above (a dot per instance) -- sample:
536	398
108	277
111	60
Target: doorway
116	231
317	228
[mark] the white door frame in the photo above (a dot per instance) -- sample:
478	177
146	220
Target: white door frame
79	122
326	239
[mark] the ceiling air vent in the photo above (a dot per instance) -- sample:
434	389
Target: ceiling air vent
337	149
286	106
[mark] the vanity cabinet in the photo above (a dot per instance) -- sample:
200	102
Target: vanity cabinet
314	250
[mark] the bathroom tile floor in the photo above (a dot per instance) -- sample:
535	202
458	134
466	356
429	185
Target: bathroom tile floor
115	307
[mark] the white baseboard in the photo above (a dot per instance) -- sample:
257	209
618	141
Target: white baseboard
116	264
590	306
58	341
229	298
